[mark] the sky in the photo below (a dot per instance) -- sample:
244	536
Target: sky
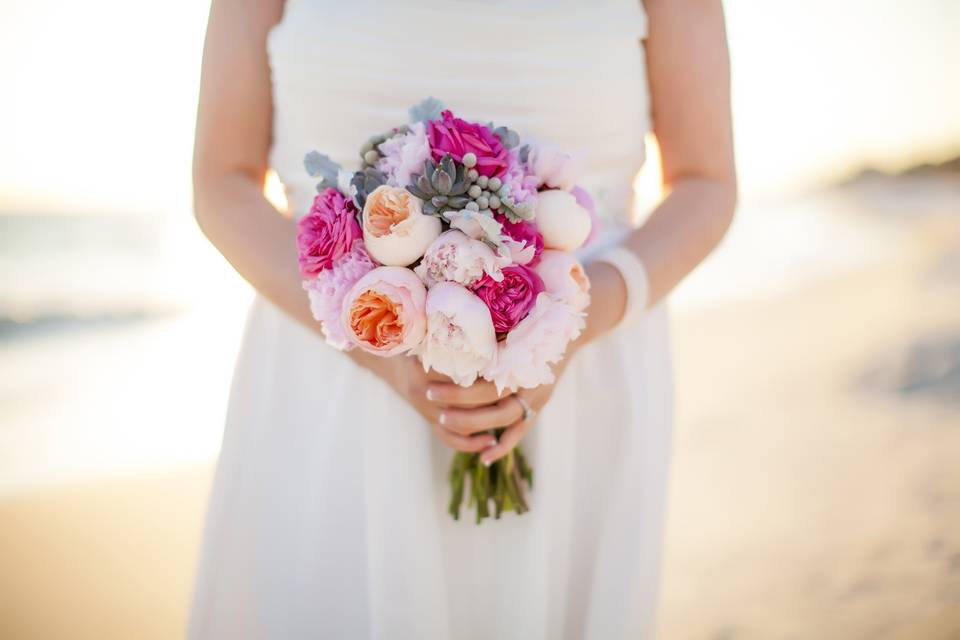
99	97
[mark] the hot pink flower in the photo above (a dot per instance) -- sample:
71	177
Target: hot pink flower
327	232
510	299
458	137
526	232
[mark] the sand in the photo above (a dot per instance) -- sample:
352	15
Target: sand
110	560
815	488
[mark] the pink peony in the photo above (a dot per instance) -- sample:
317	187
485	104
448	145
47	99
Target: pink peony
328	289
525	232
484	227
455	257
404	155
384	312
327	232
460	340
554	167
459	137
510	299
564	278
523	359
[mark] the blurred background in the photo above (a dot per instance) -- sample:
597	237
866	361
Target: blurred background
816	483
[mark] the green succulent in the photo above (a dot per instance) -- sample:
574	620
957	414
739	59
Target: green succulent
442	187
366	181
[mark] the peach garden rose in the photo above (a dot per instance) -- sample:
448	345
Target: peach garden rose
395	230
384	312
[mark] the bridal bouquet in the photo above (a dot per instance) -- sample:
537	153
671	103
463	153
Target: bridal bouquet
452	242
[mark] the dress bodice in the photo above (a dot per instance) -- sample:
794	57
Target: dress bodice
570	72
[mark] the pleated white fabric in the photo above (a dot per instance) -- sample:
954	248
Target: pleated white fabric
328	513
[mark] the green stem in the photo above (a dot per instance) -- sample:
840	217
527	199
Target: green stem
504	482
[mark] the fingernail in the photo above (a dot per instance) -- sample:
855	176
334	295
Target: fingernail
443	418
486	461
492	443
429	394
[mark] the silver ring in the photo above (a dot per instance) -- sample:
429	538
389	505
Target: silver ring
528	411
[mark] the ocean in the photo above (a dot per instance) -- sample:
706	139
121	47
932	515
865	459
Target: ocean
118	333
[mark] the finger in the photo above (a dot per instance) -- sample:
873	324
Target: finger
478	394
435	376
508	440
466	421
469	444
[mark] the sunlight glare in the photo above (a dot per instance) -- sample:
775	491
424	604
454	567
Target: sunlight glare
275	192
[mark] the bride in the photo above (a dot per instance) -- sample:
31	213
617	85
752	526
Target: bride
328	518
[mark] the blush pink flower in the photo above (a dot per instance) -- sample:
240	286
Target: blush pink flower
564	278
459	137
327	232
510	299
523	359
520	183
328	289
384	312
554	167
460	340
526	232
404	155
455	257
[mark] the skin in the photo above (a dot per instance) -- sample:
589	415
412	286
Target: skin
688	72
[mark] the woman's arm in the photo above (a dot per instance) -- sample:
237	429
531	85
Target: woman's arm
230	154
689	82
689	77
234	124
233	138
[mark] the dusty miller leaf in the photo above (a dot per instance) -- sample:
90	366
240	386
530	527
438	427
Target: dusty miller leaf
427	109
321	166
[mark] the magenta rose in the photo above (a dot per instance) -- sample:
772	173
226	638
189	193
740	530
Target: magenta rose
458	137
511	299
526	232
327	232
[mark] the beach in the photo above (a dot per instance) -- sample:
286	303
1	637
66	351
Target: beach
814	493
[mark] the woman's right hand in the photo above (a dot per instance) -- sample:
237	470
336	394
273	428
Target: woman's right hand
407	377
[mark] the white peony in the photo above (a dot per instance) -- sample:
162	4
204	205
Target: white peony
562	221
460	340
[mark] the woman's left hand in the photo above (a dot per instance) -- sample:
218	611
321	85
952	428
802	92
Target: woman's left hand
469	410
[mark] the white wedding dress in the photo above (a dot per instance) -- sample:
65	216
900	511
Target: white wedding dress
328	516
